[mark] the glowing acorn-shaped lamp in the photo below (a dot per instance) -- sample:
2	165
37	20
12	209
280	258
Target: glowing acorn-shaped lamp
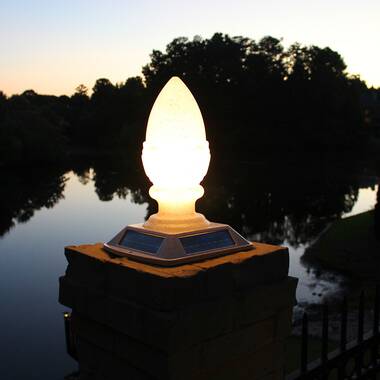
176	157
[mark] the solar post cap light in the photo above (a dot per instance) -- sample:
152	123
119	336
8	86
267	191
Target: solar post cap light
176	157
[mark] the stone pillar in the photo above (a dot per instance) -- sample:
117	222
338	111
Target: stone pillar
224	318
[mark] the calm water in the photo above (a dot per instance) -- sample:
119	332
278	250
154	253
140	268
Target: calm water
44	212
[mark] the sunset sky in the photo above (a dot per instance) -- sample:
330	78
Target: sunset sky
51	46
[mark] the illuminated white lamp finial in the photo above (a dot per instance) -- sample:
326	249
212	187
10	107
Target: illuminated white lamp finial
176	157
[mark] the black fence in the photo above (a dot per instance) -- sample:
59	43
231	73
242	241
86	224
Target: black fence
357	359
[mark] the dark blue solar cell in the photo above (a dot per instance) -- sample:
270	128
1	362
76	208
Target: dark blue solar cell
141	242
206	242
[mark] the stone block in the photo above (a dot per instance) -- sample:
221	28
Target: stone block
93	332
253	366
148	359
275	375
73	295
265	301
97	305
265	268
186	326
85	269
217	278
125	317
174	287
122	283
66	292
137	321
160	364
239	342
208	319
81	299
156	289
163	365
284	323
223	318
96	363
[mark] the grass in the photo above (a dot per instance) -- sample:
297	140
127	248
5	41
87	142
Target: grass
293	352
350	247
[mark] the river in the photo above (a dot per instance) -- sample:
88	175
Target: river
42	213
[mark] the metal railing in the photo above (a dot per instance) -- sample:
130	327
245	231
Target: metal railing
357	359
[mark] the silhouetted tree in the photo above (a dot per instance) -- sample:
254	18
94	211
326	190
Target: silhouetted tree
134	103
253	92
377	214
32	130
257	98
81	90
3	104
79	117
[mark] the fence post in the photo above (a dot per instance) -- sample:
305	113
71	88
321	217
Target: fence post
343	338
304	343
343	325
325	332
359	359
325	339
375	346
376	311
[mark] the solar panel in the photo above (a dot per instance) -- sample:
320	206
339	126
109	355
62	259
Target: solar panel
205	242
169	249
141	242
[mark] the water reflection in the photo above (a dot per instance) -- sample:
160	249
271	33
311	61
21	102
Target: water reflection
271	202
20	197
274	201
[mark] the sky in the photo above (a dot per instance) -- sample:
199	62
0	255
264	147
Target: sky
52	46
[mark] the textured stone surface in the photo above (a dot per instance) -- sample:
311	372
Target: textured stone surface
266	300
203	356
284	322
98	364
259	364
186	326
224	318
238	343
168	288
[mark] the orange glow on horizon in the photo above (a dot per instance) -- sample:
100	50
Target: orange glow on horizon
55	46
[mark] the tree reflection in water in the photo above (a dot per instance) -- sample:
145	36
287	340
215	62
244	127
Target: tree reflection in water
20	197
271	201
279	201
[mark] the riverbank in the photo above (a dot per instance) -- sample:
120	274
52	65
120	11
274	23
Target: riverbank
349	246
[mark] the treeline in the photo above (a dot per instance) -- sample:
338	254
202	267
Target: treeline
255	96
